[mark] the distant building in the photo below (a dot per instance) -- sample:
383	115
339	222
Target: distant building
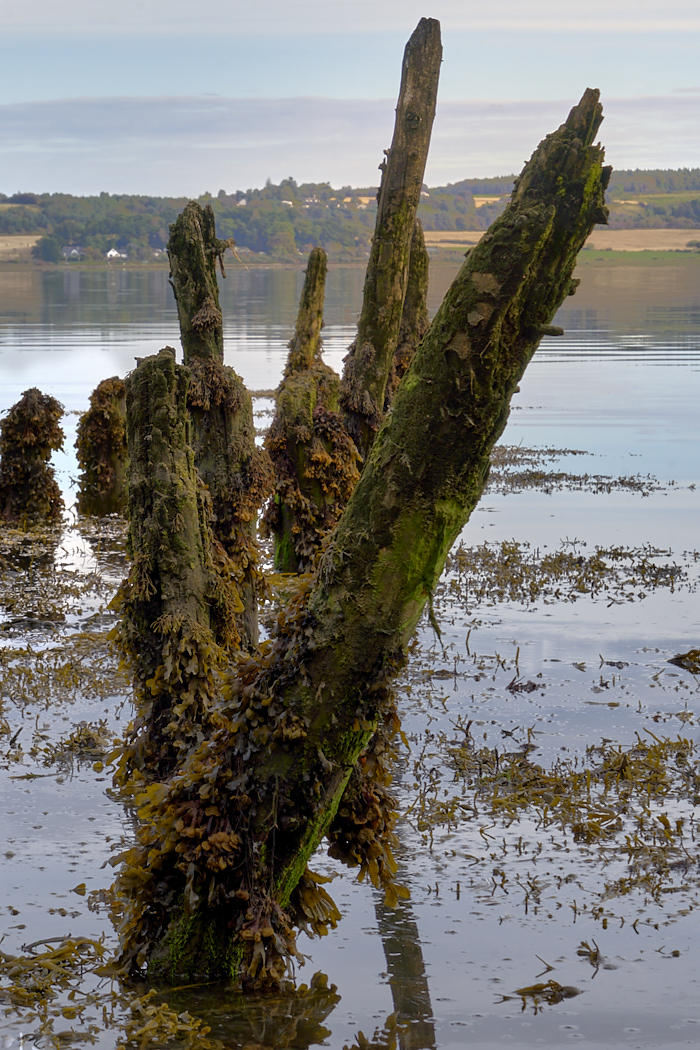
114	253
71	251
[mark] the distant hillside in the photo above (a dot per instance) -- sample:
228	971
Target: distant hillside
284	221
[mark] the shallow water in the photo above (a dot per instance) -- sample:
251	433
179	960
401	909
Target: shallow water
487	916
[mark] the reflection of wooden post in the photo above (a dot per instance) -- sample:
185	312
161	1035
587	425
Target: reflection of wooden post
29	493
236	472
405	965
101	448
223	846
370	358
315	461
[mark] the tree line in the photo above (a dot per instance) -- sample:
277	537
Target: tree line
285	220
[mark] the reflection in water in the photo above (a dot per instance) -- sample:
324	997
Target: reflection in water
293	1020
407	977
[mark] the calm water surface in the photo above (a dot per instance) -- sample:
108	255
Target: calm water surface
622	387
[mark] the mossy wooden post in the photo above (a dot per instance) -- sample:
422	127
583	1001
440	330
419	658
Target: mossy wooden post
370	358
219	875
415	320
314	459
236	472
193	251
172	596
101	448
29	433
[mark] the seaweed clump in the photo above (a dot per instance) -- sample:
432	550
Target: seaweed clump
101	448
362	833
29	433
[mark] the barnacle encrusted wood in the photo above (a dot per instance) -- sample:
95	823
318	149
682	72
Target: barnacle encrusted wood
29	433
314	459
370	357
101	448
219	878
236	472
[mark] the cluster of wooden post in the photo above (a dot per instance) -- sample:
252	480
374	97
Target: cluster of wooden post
218	880
243	757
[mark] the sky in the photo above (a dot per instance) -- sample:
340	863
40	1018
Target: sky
178	98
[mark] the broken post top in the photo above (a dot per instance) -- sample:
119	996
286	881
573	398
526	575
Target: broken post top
193	250
415	109
305	347
542	175
369	362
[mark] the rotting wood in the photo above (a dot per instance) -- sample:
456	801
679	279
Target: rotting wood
314	459
218	878
29	433
236	472
370	357
101	450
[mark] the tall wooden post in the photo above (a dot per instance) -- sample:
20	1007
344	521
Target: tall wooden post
236	472
370	358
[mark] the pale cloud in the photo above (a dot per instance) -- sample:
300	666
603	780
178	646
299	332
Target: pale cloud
184	146
331	16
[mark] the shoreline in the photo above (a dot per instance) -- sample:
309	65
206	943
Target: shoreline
631	245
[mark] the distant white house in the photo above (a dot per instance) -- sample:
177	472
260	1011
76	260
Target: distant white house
71	251
114	253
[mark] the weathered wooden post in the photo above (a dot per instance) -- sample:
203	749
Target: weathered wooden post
101	448
237	474
218	877
314	459
175	606
29	433
370	358
415	320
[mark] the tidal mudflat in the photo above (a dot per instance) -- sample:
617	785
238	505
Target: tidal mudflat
549	775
